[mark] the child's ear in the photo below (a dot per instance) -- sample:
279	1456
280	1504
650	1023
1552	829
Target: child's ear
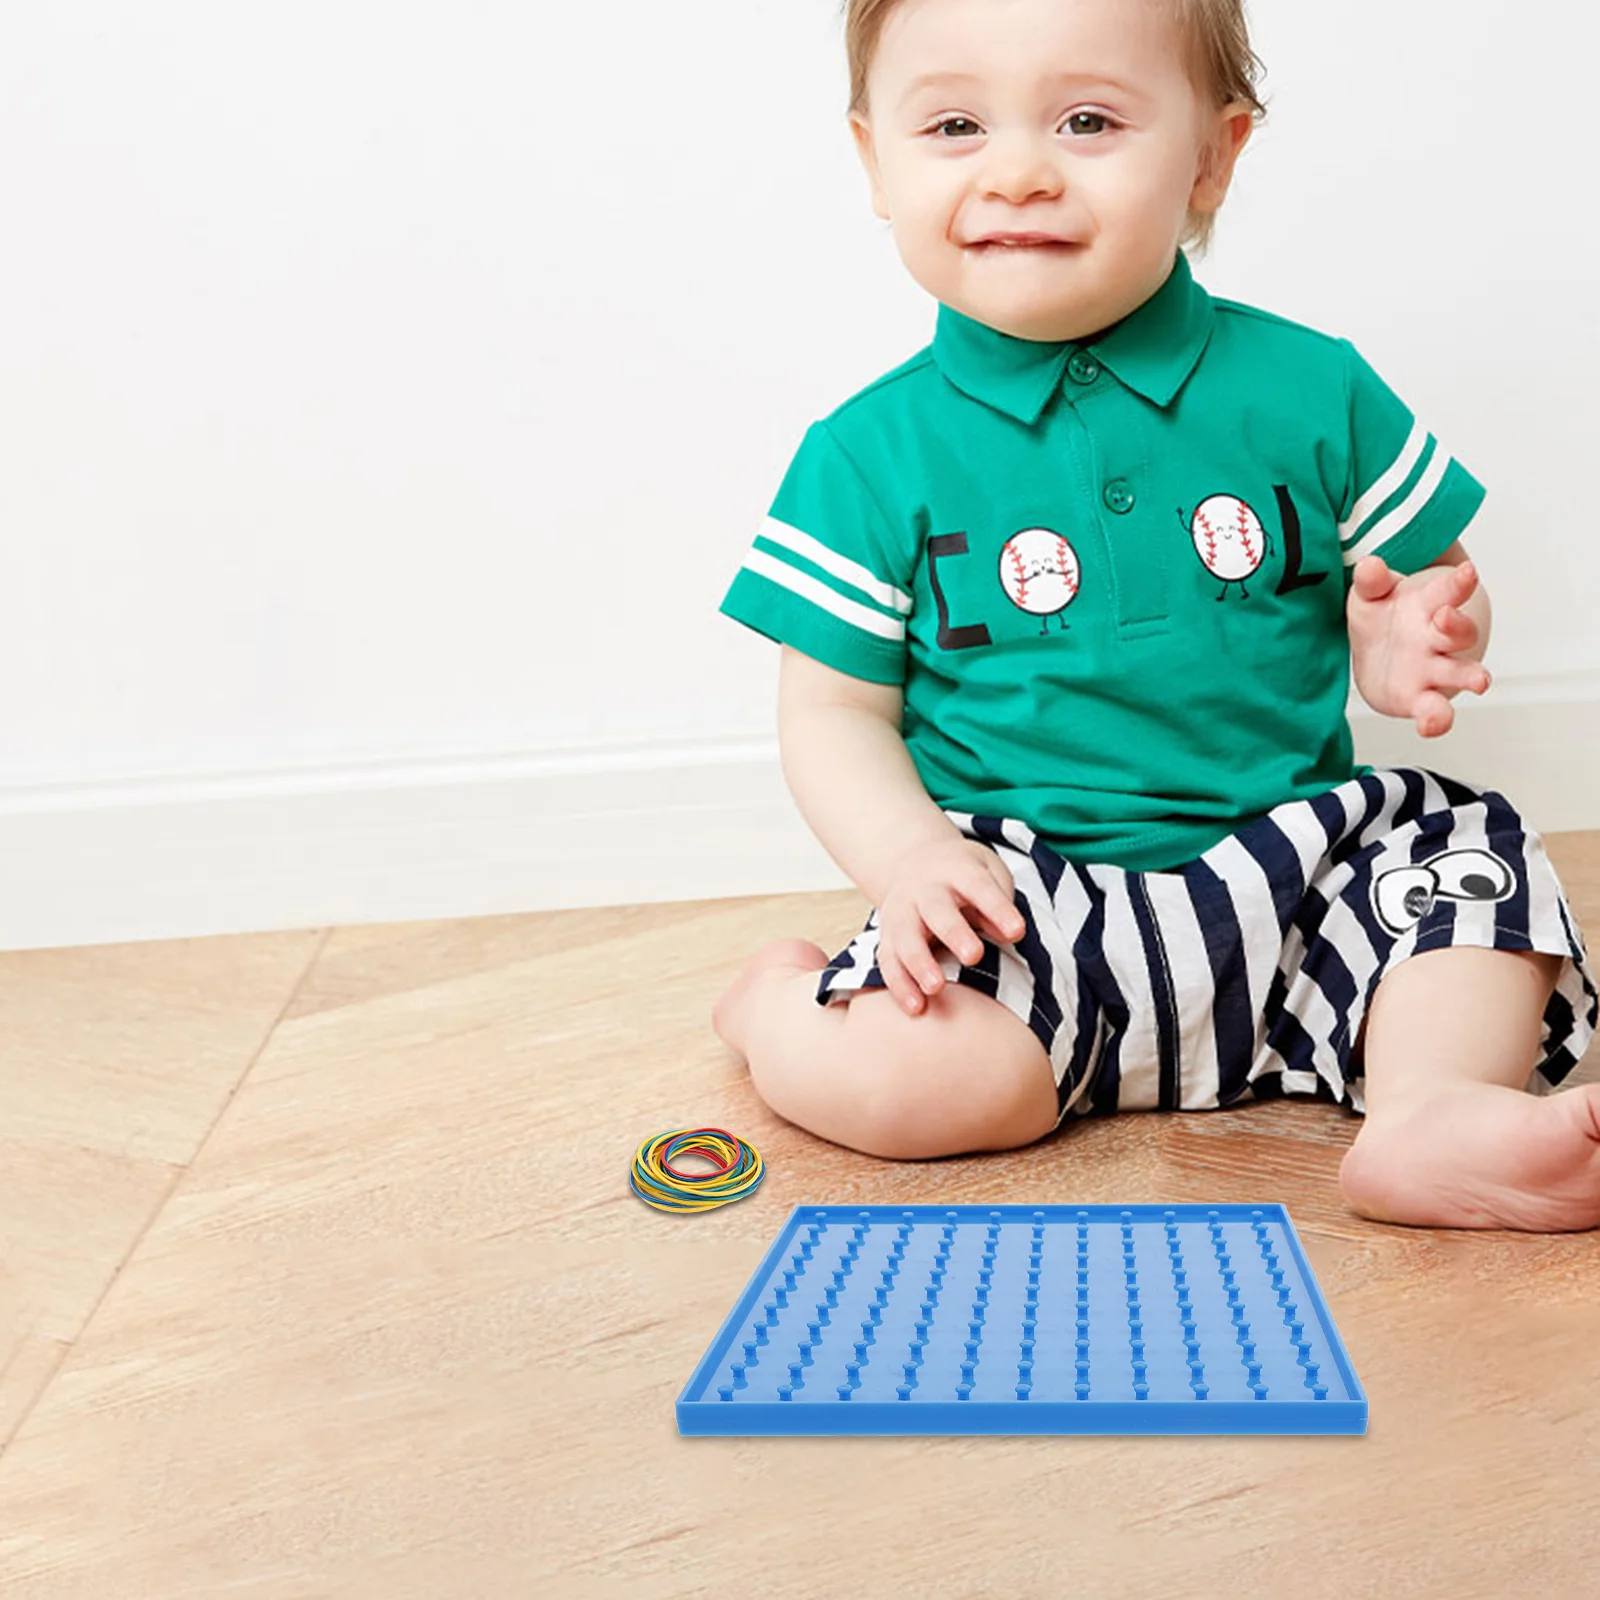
861	131
1229	134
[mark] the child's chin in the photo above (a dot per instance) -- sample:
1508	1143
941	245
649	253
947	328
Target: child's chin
1039	316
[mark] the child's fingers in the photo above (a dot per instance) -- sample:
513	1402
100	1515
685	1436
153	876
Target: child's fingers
953	931
1460	677
997	902
1453	630
1449	586
1432	714
898	980
1373	578
914	948
987	902
987	926
999	919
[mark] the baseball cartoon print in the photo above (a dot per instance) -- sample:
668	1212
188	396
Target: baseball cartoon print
1229	538
1040	572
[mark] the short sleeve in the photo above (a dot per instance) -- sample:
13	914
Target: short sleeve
1407	499
826	572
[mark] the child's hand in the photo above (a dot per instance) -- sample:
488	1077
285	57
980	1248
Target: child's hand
1405	634
946	889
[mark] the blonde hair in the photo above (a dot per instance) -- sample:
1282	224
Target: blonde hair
1216	38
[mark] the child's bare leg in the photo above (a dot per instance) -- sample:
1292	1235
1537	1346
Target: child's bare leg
965	1074
1451	1139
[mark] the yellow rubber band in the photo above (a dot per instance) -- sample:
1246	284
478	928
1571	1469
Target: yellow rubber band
742	1170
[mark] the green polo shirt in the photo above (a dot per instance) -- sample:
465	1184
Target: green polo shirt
1111	576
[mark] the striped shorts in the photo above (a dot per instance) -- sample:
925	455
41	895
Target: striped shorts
1246	973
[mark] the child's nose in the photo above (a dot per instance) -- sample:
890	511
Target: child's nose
1019	167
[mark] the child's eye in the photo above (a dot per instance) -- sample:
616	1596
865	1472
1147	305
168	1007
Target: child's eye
1088	122
956	127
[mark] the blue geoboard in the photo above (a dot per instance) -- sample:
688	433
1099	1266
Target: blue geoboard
1028	1319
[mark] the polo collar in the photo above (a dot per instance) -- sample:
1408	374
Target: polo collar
1152	350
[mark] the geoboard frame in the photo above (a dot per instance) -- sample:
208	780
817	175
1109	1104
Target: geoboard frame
1100	1319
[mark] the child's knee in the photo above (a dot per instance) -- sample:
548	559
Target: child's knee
966	1074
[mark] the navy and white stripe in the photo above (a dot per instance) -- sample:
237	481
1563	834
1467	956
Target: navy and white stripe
1248	972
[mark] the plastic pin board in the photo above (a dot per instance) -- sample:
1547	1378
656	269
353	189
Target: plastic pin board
1028	1319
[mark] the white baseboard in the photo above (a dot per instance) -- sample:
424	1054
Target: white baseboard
105	863
399	841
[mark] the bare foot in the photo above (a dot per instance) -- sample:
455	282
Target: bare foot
1481	1155
729	1014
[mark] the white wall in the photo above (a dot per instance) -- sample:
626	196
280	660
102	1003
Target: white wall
387	394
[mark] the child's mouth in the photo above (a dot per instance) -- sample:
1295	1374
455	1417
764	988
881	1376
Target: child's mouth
1022	245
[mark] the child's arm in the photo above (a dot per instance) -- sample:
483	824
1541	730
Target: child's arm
850	772
857	787
1417	641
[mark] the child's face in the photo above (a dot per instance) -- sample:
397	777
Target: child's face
1073	122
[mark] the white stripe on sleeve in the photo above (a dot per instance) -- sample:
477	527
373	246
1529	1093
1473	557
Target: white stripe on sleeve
1402	467
1385	528
819	594
819	555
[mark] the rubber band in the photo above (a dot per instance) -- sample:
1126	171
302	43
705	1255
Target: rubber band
739	1170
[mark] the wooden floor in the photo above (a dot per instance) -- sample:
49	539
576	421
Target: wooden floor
320	1276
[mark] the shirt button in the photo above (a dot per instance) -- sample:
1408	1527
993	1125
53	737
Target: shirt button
1083	368
1119	496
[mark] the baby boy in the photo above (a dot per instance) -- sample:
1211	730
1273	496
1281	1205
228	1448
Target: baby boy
1070	603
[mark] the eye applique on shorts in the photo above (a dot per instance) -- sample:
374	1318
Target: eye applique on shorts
1403	896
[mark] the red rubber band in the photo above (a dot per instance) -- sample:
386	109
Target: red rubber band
678	1144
